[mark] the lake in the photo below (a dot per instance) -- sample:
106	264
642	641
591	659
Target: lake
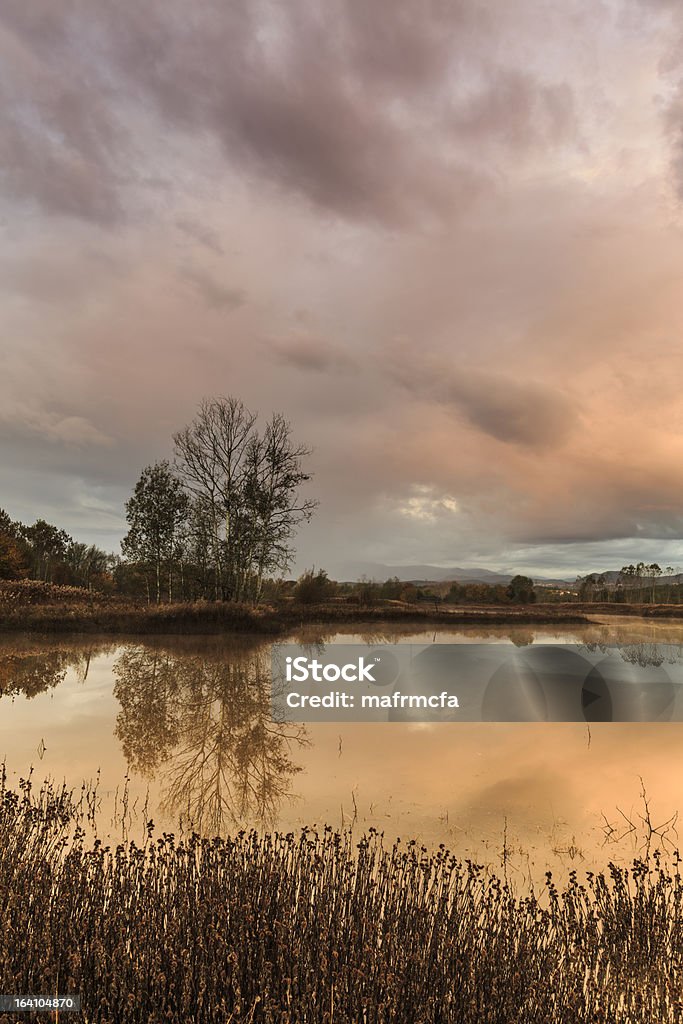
179	731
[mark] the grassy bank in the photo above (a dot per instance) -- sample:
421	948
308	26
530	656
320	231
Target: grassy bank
324	929
44	608
644	611
208	618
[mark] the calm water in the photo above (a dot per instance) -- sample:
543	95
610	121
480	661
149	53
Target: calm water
179	731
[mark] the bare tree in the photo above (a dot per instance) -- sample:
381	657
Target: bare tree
654	572
669	572
246	488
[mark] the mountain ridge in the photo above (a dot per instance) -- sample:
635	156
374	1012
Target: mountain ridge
420	573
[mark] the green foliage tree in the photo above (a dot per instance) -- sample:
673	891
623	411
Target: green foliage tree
520	590
6	524
314	587
632	580
46	552
46	547
597	587
476	593
88	565
12	563
391	589
155	513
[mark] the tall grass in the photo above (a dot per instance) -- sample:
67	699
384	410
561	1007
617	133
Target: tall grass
30	605
318	927
212	618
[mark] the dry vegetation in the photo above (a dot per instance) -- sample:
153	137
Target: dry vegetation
49	608
318	927
15	594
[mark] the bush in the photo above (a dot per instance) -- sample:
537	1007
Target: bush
314	587
520	590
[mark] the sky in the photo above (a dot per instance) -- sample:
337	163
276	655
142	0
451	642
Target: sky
444	239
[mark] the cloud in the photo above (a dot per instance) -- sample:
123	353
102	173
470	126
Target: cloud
60	137
512	411
201	233
311	354
268	200
513	109
426	505
528	792
528	413
73	431
215	294
366	114
664	19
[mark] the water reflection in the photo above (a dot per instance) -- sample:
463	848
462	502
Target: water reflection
28	670
205	722
643	653
190	718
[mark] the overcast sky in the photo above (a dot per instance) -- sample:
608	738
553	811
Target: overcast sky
445	239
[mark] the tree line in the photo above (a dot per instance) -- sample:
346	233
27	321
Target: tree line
217	523
45	552
639	583
315	587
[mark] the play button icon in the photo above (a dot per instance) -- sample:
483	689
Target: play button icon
596	702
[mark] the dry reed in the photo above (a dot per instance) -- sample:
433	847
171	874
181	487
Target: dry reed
321	927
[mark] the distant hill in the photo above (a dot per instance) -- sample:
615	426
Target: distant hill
352	571
416	573
610	576
423	573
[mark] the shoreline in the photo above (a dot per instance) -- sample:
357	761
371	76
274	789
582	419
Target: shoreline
36	608
214	619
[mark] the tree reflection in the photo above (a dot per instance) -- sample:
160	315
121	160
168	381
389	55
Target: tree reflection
643	653
29	673
651	653
205	722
